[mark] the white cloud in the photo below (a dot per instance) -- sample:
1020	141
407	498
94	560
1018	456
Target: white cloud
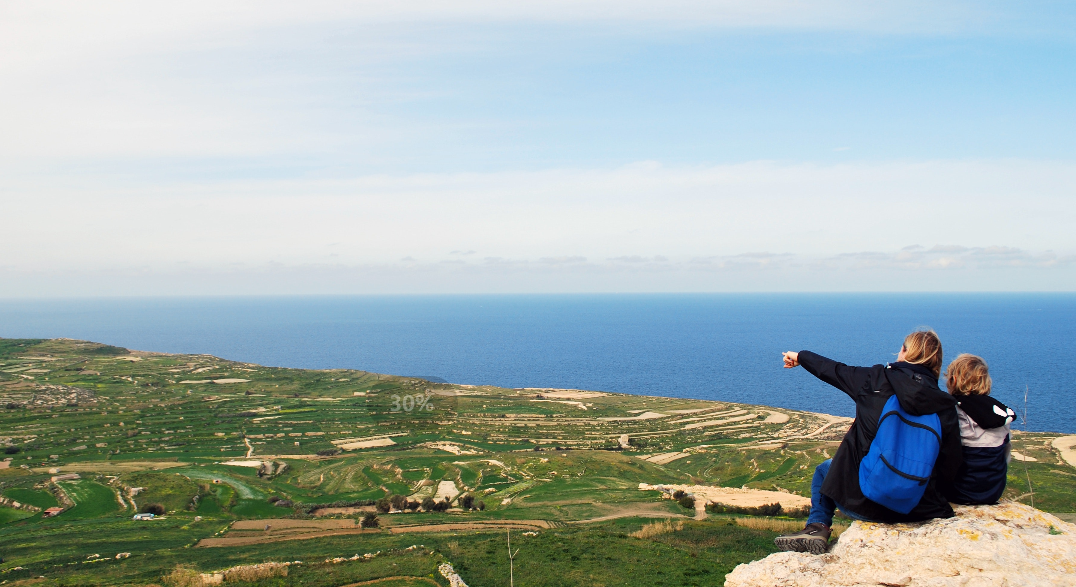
247	79
576	229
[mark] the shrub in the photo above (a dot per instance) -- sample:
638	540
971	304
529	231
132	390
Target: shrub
107	350
480	506
370	520
800	512
440	506
398	502
413	505
383	505
657	529
12	406
427	504
467	501
274	498
251	573
152	508
10	450
771	509
687	502
678	494
307	508
328	452
183	576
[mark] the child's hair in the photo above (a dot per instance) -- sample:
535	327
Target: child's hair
923	347
968	375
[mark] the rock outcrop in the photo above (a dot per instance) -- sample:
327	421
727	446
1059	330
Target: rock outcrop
1009	544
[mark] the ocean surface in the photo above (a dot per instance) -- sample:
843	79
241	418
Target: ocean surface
720	347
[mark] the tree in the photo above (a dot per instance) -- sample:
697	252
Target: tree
687	502
10	450
370	520
412	504
428	504
383	505
678	494
152	508
480	506
398	502
467	501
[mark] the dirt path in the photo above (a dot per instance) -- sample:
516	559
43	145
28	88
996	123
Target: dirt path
282	523
733	496
1066	445
642	510
248	532
249	539
466	526
425	580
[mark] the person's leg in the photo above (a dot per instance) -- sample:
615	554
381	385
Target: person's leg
854	515
822	506
814	538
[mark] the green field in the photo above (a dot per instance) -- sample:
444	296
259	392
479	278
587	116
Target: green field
219	444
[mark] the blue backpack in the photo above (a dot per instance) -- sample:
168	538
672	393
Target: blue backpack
898	465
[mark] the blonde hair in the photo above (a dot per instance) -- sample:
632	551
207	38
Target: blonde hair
923	347
968	375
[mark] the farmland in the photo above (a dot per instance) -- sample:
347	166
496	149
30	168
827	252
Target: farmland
249	464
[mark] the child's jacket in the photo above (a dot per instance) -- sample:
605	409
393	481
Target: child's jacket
984	433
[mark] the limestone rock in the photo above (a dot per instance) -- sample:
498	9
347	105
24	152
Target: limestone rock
1009	544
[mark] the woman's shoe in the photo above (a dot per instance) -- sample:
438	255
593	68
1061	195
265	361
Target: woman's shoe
813	539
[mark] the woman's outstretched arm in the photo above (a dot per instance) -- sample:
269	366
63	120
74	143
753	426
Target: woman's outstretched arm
851	380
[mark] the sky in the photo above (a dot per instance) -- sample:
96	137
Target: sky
275	148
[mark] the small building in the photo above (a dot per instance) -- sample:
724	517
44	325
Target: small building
52	512
143	517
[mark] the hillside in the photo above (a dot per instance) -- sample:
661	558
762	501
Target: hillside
253	464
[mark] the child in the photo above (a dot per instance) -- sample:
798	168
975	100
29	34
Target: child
984	433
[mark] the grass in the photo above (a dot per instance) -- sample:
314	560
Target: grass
41	499
174	492
92	500
657	528
8	515
134	417
700	554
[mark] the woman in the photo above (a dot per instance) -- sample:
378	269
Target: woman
913	379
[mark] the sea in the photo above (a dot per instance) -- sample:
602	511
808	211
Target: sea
723	347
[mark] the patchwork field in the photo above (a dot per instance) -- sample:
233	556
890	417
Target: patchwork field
246	464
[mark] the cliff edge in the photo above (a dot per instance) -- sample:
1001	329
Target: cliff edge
1009	544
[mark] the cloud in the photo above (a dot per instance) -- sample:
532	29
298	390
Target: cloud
717	214
972	269
950	257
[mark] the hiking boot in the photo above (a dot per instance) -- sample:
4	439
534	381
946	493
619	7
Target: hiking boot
813	539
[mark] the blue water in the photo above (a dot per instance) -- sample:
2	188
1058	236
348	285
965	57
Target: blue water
723	347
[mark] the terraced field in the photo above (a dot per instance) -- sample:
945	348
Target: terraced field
226	449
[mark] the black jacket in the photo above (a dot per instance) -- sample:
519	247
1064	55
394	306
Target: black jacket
984	432
917	391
